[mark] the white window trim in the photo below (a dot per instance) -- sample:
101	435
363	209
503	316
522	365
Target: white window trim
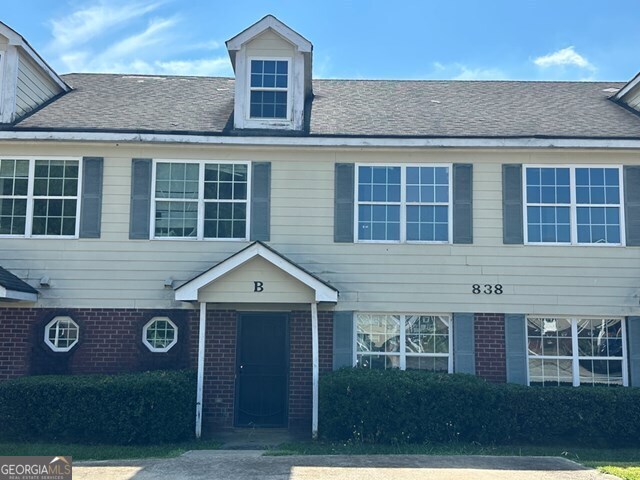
403	347
247	115
200	200
403	203
30	197
47	328
573	215
575	357
151	347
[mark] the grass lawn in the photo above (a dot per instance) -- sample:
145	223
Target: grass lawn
622	470
105	452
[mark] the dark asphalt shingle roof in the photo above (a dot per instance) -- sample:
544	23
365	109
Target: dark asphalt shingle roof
204	105
9	281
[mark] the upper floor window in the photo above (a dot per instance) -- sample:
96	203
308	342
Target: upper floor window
403	203
269	83
39	197
200	200
414	342
576	351
573	205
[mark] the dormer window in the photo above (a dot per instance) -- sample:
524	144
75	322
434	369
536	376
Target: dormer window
269	89
273	76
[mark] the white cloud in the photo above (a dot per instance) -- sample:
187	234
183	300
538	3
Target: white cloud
92	21
114	37
153	36
566	57
459	71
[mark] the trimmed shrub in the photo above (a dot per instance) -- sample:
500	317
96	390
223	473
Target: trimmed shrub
392	406
137	408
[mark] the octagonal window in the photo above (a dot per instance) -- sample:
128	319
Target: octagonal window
61	334
160	334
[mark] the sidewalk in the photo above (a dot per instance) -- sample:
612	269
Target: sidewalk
251	465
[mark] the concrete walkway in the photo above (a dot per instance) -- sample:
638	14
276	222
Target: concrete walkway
251	465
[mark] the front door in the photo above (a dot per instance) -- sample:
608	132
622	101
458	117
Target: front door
262	370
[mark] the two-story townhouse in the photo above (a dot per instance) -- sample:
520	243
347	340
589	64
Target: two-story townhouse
266	228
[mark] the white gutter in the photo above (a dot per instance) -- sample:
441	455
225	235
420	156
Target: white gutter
324	141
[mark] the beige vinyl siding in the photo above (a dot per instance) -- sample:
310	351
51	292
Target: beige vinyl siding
269	44
114	271
33	87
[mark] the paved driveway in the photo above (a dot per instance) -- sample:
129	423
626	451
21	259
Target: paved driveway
251	465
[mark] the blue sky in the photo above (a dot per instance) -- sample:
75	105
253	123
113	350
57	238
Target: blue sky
377	39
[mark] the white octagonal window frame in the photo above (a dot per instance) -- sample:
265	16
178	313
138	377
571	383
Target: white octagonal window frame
145	331
61	341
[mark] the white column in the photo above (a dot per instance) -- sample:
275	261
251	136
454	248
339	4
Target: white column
315	367
201	337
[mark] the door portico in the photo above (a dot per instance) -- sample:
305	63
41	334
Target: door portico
257	275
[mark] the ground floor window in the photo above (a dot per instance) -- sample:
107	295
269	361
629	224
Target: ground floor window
414	342
160	334
61	334
576	351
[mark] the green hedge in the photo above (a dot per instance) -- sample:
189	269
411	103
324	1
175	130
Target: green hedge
373	406
138	408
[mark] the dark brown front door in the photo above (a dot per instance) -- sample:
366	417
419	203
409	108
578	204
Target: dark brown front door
262	370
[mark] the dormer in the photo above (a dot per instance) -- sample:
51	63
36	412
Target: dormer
26	81
272	64
629	95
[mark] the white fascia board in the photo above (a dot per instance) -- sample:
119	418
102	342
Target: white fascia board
628	87
301	43
358	142
16	295
189	291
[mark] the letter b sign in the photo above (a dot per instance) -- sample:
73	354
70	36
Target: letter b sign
258	286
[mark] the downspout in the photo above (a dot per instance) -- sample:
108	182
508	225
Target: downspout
201	338
315	367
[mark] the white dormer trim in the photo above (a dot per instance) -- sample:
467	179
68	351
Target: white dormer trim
301	55
15	39
630	94
294	38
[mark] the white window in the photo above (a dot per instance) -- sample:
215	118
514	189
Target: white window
414	342
403	203
39	197
573	205
576	351
61	334
269	89
160	334
201	200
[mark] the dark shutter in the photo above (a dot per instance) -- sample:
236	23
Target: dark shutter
632	204
140	198
633	342
342	339
515	336
512	229
464	352
463	203
91	199
260	227
343	203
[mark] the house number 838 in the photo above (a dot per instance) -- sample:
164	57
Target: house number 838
487	289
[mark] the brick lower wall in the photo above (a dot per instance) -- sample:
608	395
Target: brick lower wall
300	367
491	362
110	342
